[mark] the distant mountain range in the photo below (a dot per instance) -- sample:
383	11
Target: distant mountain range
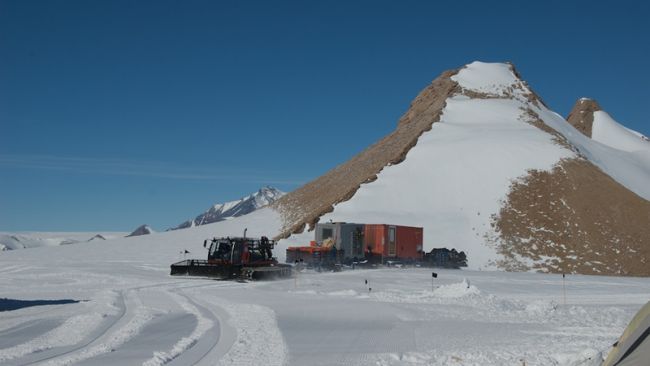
225	211
218	212
22	240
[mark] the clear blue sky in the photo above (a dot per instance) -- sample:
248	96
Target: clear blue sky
117	113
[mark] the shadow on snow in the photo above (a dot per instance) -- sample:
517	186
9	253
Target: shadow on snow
13	304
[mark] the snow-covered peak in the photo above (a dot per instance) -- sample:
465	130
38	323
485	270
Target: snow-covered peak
142	230
488	78
588	117
266	195
245	205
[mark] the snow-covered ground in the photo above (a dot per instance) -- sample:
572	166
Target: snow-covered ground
123	308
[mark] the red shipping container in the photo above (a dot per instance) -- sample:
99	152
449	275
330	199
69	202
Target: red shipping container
409	242
375	237
393	241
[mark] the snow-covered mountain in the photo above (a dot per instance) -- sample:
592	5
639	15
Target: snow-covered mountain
484	166
23	240
142	230
588	117
225	211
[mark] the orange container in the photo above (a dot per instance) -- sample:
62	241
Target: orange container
394	241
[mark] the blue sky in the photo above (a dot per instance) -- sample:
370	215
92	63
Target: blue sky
118	113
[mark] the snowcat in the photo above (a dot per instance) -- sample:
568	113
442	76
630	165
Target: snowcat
235	258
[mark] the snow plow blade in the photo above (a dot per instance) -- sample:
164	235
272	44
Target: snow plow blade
198	267
202	268
275	272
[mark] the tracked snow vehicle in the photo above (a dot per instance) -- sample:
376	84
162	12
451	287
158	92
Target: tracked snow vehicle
235	258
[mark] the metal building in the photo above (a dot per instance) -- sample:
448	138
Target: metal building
347	237
386	241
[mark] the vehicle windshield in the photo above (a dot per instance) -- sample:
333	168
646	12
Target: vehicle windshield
220	250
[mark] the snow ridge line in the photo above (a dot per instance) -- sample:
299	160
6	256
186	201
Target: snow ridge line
185	343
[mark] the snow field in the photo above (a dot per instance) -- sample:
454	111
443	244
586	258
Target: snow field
316	319
481	318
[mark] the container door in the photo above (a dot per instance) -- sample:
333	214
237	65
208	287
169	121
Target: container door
357	242
392	247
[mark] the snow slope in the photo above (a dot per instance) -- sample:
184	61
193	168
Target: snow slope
631	169
611	133
130	311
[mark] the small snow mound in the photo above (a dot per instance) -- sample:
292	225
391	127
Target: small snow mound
588	357
343	293
540	307
457	290
303	292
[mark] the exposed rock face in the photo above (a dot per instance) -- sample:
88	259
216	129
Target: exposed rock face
578	217
582	115
307	204
141	230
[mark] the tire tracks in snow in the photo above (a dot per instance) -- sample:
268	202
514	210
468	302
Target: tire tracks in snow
207	323
140	315
207	338
109	341
46	351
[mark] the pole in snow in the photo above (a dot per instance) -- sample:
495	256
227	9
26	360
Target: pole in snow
433	275
564	288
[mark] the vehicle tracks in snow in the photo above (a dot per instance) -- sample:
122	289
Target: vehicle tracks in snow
46	352
205	343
